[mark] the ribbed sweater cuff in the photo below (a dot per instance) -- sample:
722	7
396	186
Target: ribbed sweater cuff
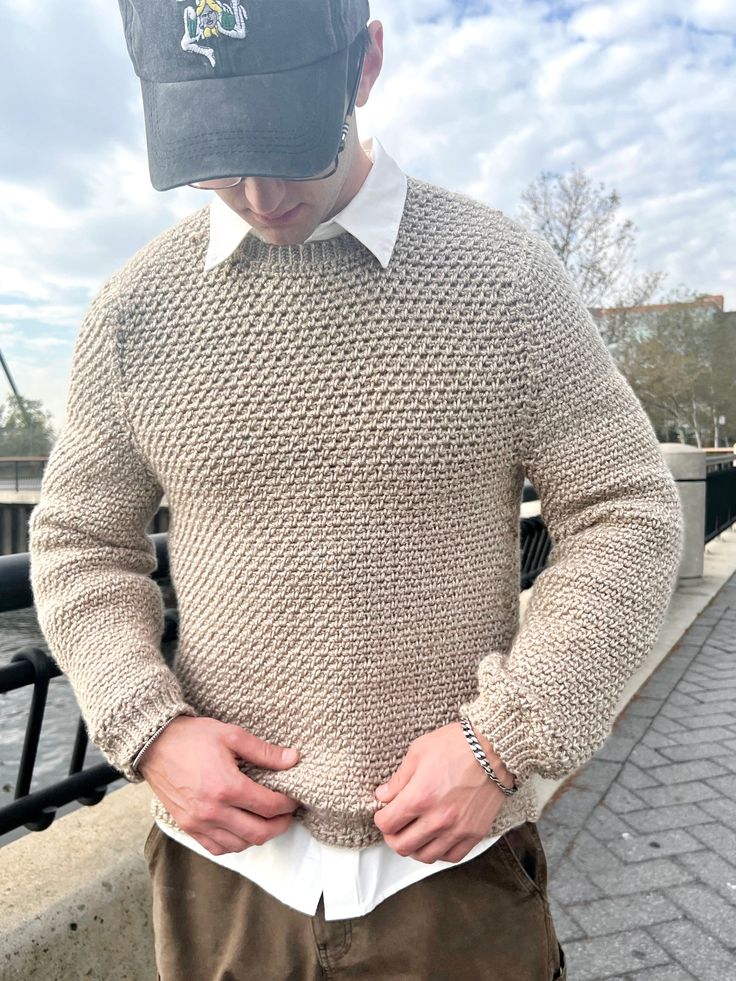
121	736
508	732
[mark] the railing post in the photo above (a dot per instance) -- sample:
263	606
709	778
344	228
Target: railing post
687	464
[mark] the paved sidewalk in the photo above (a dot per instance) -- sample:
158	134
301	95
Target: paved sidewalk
641	843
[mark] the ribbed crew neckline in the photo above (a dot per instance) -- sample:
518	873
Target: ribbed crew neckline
341	250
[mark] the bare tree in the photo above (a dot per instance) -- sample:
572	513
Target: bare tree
581	223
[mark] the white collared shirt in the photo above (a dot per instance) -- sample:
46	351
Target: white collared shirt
296	867
373	215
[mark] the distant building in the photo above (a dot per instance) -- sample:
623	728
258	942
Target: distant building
638	320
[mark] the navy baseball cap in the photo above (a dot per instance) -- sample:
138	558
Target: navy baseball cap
247	87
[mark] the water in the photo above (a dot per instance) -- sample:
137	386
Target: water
20	629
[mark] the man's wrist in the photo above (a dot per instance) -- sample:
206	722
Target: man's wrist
499	767
138	758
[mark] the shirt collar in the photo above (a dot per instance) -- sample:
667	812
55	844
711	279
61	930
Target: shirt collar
372	216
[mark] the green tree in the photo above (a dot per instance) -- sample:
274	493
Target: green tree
25	429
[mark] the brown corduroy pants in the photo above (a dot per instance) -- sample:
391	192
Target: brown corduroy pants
487	919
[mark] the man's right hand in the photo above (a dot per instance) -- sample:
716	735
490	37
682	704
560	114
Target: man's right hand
192	769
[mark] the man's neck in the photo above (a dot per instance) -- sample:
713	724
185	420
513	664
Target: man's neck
360	167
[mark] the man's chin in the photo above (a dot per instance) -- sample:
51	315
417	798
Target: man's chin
284	236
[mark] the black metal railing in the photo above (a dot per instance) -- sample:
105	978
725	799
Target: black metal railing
19	473
536	544
720	494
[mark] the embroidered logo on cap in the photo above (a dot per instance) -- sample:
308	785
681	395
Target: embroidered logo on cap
210	19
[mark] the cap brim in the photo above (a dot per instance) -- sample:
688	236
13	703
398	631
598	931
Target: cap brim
286	124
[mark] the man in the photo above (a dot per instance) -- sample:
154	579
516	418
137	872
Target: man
338	375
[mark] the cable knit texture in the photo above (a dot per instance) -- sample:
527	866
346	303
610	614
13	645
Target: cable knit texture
342	449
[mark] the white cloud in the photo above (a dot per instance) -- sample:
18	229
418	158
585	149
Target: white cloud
639	94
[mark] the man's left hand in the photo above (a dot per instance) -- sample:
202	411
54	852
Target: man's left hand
440	802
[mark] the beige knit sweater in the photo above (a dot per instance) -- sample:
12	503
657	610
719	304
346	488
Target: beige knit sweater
342	448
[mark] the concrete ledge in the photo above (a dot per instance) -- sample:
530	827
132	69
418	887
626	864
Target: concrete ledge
76	898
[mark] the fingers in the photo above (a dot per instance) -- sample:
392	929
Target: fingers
458	851
234	830
427	840
253	796
398	781
221	842
194	771
263	753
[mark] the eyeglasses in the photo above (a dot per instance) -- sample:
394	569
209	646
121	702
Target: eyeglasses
218	183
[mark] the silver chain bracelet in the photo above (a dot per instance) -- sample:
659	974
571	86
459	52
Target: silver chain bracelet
144	747
480	755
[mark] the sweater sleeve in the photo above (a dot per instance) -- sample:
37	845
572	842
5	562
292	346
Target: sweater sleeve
98	608
611	505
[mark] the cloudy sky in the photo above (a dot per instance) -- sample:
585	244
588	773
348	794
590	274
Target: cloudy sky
480	97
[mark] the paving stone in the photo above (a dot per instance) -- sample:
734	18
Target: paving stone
555	839
663	724
667	972
697	634
692	751
641	846
569	885
656	740
590	854
722	663
634	778
606	825
691	687
574	805
696	949
725	706
677	793
664	818
714	914
702	675
620	800
721	641
566	926
718	874
673	670
631	725
706	734
682	700
659	873
647	707
604	916
596	958
723	809
685	651
660	687
692	770
725	785
719	694
708	683
647	758
694	722
617	748
634	847
729	762
598	774
717	837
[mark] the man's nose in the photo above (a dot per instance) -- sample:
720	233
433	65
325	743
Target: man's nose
264	194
